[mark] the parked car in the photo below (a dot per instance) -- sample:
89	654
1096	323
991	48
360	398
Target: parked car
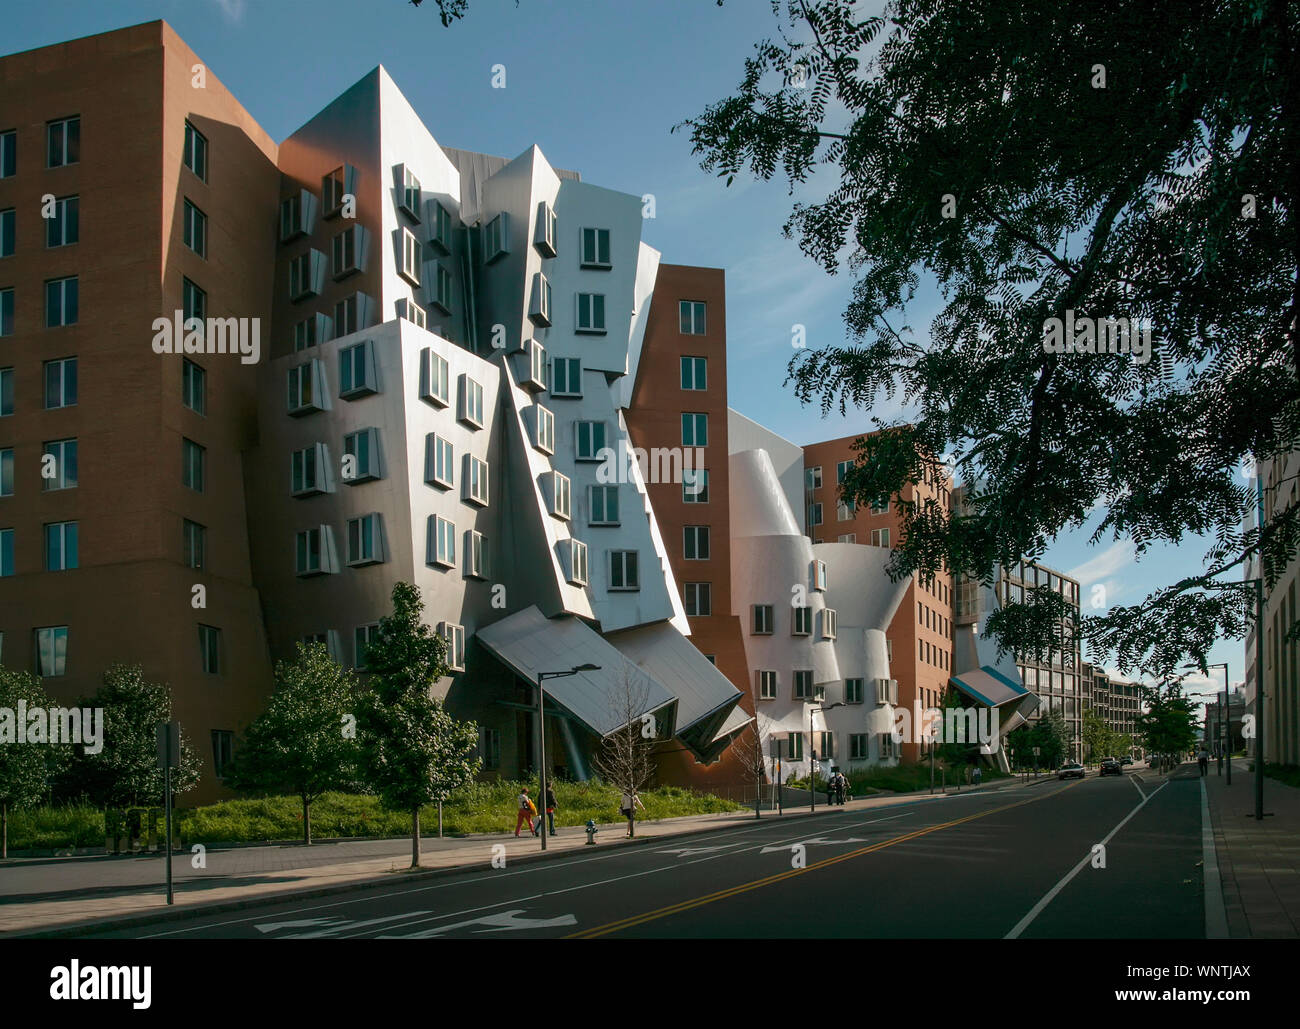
1126	761
1109	766
1070	770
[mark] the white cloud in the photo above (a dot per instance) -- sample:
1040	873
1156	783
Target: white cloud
1117	556
232	9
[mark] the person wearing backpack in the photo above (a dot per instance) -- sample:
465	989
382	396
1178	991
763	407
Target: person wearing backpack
526	811
627	806
550	809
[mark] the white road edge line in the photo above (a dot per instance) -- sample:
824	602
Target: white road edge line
1216	915
1037	909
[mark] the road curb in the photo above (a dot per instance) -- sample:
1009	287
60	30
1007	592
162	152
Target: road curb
1216	912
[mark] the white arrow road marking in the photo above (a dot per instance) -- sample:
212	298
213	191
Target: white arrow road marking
347	925
502	922
816	841
687	851
301	923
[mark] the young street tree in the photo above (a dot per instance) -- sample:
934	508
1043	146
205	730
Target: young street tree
125	772
24	767
413	752
1168	725
624	758
305	740
747	751
1038	167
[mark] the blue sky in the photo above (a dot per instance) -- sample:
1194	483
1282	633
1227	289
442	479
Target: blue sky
598	86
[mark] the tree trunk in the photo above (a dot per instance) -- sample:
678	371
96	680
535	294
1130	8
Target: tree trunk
306	820
440	819
415	838
4	830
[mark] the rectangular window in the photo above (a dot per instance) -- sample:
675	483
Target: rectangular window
455	636
766	684
196	152
365	540
543	429
696	543
496	238
312	331
624	570
60	546
7	472
476	555
412	312
575	552
306	275
52	651
363	447
223	751
695	373
589	440
6	312
196	229
475	482
193	461
412	257
357	370
535	377
859	746
793	750
803	684
762	620
6	555
828	623
560	488
813	477
411	194
8	153
566	377
435	378
362	637
6	392
848	537
844	512
442	546
591	313
604	505
210	649
64	228
801	621
442	288
544	237
194	387
489	748
695	430
60	383
194	544
818	575
439	462
61	302
310	554
691	313
336	186
471	402
294	215
698	598
814	514
194	302
595	248
8	232
64	139
880	506
695	487
305	467
854	691
880	537
347	252
305	392
440	226
539	306
826	744
63	467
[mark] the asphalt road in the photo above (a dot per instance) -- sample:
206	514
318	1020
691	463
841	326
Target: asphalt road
1010	862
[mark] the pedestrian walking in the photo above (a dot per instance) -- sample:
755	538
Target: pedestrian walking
550	809
841	788
628	806
976	775
1203	759
524	816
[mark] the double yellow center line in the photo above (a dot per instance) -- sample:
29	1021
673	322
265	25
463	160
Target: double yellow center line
687	905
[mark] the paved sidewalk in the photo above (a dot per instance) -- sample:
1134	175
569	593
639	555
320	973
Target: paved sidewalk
71	891
1259	861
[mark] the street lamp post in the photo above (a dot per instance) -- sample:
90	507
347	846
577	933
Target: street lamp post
812	752
541	737
1224	716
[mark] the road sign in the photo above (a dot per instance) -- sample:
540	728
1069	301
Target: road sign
169	744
